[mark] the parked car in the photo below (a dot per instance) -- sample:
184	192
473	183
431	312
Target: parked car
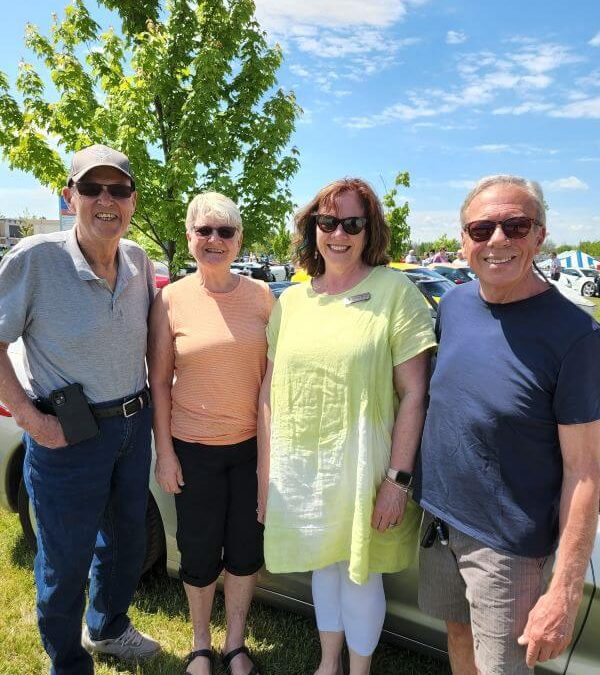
457	275
405	625
161	274
277	287
584	280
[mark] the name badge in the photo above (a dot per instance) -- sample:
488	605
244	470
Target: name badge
361	297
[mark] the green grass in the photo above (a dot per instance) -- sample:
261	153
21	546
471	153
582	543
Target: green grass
596	301
284	643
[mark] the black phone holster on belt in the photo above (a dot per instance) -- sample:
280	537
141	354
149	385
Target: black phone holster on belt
73	412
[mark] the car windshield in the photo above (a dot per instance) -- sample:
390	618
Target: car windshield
590	273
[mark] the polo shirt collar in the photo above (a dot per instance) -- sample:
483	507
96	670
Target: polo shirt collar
126	270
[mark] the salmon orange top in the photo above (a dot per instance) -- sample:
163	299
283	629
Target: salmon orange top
220	350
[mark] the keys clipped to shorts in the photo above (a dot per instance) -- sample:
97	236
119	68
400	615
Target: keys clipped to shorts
437	529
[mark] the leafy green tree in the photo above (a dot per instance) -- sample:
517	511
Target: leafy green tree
26	223
187	90
396	216
280	243
450	244
591	248
564	247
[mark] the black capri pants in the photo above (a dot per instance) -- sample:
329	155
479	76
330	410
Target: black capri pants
216	511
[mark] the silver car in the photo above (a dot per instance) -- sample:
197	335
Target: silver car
405	624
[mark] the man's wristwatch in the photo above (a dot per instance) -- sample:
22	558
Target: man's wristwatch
403	478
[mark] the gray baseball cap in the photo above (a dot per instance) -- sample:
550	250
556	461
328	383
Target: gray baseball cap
98	155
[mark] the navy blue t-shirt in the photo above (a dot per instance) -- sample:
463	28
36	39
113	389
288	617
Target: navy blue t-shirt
506	376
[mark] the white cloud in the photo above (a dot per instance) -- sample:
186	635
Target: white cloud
429	225
588	108
299	70
570	183
341	44
523	108
515	149
591	80
279	15
541	58
461	184
493	147
595	41
589	159
455	37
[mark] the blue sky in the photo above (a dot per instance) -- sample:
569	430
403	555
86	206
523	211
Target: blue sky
449	90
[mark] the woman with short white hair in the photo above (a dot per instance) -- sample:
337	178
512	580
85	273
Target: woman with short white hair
207	359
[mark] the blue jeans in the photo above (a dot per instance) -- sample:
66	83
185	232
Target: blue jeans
90	506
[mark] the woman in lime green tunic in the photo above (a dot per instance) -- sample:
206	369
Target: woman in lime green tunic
340	418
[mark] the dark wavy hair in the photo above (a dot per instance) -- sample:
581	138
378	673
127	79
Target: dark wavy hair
377	230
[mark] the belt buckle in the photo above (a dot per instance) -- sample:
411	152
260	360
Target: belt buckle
132	400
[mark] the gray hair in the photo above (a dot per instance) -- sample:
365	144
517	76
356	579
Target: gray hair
531	187
215	206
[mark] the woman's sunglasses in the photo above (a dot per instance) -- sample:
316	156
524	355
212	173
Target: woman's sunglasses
115	190
223	231
352	225
517	227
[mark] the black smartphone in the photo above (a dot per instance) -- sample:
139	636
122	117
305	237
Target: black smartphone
74	413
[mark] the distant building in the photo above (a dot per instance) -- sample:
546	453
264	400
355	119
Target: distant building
10	229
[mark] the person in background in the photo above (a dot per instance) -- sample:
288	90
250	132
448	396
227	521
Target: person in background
509	468
441	256
80	300
340	417
428	259
411	257
207	358
555	267
460	260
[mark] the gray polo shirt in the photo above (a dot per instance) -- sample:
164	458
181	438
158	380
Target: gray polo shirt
74	328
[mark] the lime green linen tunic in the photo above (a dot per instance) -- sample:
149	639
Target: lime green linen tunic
333	406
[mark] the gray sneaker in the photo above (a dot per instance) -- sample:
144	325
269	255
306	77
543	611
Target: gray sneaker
130	646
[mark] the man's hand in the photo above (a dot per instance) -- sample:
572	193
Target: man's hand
168	472
549	627
389	506
46	430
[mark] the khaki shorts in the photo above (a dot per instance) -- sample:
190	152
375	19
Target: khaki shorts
468	582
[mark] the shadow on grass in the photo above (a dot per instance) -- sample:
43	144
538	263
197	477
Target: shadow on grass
21	555
282	642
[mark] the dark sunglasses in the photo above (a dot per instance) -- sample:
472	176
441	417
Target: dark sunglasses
115	190
223	231
513	228
352	225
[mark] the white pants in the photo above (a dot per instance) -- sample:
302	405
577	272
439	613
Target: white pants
343	606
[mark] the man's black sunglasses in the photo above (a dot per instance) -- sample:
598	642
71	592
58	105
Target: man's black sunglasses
352	225
516	227
115	190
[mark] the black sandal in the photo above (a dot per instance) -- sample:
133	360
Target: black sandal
228	658
206	653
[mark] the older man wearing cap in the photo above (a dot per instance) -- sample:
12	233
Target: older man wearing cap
79	299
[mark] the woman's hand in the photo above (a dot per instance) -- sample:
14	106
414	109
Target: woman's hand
261	511
168	472
389	506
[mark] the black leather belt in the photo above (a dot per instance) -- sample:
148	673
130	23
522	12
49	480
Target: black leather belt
127	408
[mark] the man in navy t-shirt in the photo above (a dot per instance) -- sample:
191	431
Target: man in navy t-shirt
509	468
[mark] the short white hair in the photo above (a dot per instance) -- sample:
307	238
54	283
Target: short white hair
216	206
531	187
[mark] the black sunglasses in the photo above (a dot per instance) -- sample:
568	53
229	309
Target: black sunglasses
115	190
352	225
223	231
517	227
